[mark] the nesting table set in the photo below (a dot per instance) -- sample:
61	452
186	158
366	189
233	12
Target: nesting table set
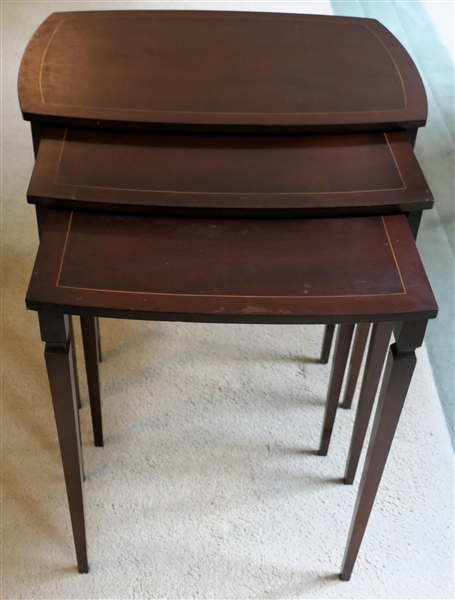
228	167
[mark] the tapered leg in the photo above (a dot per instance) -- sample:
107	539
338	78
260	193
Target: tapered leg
380	339
61	381
343	344
74	361
397	377
358	349
90	344
98	340
327	343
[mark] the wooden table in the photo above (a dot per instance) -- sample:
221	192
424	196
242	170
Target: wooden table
219	71
274	80
234	72
229	175
283	271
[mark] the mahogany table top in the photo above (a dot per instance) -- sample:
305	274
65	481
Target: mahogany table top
219	70
230	270
228	175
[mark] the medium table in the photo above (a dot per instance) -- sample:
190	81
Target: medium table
234	176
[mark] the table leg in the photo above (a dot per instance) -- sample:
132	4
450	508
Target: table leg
358	349
414	219
55	333
74	361
327	343
90	344
380	338
98	340
397	378
342	347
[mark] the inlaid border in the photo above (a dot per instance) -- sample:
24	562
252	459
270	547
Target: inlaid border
226	15
196	193
164	294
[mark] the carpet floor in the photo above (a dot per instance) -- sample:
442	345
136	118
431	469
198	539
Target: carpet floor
209	485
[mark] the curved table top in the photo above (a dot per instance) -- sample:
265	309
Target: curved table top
228	175
235	71
230	270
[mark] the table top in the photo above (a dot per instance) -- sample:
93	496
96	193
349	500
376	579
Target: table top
202	70
230	270
189	175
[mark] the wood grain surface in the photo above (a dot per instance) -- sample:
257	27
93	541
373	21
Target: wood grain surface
228	175
219	70
299	270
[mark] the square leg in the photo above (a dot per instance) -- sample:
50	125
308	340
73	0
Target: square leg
91	354
342	347
57	354
380	338
397	378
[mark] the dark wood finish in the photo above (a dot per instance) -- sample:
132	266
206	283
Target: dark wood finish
41	214
228	175
99	352
62	386
358	349
37	133
329	330
414	219
274	271
266	72
380	338
260	73
342	346
296	271
358	436
74	361
397	377
53	330
91	354
219	70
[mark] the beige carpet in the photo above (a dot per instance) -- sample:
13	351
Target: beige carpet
209	485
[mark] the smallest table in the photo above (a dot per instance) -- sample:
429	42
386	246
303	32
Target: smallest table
298	271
